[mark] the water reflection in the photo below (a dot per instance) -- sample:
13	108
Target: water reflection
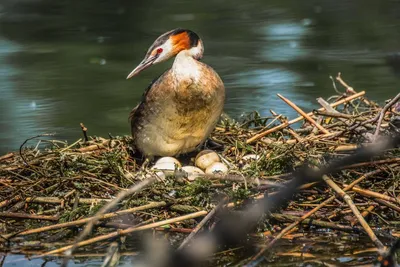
63	63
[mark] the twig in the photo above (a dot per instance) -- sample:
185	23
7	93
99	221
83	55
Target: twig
369	193
356	212
30	138
288	229
6	156
376	162
305	115
89	226
56	200
388	204
382	114
85	220
125	232
84	131
342	101
334	86
279	127
28	216
349	89
201	224
260	135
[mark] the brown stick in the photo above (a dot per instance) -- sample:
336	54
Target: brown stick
6	156
279	127
356	212
260	135
286	217
85	220
56	200
84	131
365	213
292	226
305	115
382	115
201	224
7	202
94	147
28	216
376	162
127	231
344	100
369	193
388	204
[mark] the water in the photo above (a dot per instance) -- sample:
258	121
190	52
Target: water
65	62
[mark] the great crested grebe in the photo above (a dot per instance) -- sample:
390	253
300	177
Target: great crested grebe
180	108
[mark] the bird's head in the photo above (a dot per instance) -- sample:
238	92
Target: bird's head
169	45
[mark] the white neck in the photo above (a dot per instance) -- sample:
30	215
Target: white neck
185	67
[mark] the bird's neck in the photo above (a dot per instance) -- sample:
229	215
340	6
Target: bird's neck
186	67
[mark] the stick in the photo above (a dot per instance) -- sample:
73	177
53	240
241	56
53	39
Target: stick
121	195
344	100
279	127
382	115
28	216
376	162
388	204
260	135
288	229
365	213
356	212
369	193
56	200
286	217
85	220
6	156
305	115
84	131
127	231
201	224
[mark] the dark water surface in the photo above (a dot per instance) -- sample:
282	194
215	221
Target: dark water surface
65	62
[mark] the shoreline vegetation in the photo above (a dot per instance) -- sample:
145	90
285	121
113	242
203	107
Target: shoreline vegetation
82	197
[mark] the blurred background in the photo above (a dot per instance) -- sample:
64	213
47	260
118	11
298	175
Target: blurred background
65	62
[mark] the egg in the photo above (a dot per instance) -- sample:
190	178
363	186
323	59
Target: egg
165	166
205	158
192	172
217	168
168	159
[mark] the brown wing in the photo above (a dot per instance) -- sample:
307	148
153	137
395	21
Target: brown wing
134	110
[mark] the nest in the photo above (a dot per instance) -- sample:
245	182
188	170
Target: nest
48	192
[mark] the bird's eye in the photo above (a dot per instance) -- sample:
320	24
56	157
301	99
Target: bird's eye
159	50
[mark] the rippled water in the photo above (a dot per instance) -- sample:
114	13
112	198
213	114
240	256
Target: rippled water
63	63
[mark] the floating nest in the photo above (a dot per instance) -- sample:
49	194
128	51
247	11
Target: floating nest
50	191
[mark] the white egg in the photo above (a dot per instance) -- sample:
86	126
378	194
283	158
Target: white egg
217	168
165	166
168	159
192	172
205	158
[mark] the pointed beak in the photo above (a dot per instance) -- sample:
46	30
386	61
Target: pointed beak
147	62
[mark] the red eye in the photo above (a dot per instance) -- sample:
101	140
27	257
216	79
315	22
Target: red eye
159	50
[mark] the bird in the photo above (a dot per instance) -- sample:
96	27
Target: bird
180	108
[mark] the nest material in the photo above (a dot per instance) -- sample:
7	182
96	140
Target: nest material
60	185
